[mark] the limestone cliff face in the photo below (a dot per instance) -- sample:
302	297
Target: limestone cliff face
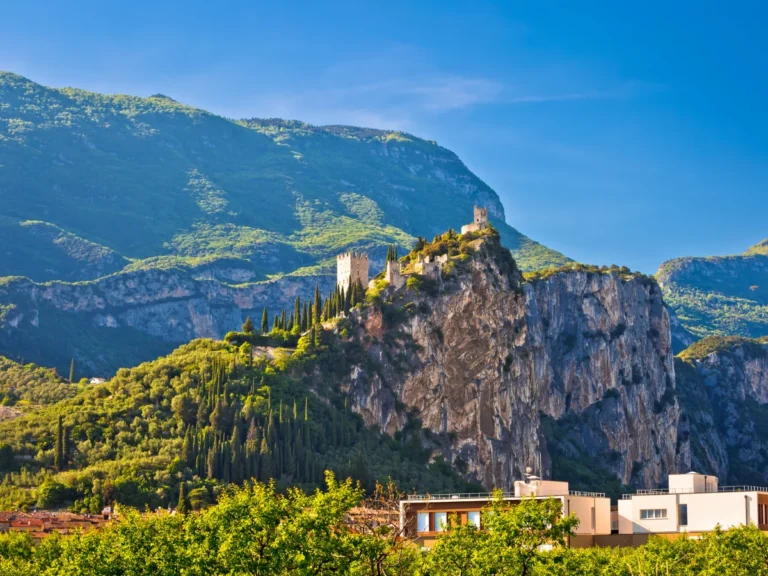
484	362
723	386
172	306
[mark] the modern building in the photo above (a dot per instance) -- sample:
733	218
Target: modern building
692	503
424	517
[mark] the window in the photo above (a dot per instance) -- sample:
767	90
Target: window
441	521
656	514
682	515
422	522
762	514
473	518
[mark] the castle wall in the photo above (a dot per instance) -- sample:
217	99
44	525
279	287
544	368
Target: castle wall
351	267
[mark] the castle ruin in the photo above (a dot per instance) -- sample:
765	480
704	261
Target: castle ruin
480	222
351	267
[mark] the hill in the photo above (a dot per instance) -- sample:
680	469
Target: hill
95	185
719	295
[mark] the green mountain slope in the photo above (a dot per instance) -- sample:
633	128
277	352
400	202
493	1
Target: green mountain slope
106	200
149	177
719	295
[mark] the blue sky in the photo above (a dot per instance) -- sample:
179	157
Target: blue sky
615	134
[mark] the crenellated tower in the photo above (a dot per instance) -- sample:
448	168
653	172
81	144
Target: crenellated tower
350	267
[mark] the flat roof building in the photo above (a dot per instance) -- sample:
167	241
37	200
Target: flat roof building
424	517
692	503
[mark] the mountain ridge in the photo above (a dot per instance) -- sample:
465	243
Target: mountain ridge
123	184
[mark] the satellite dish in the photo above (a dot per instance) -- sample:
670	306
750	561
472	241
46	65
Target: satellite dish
528	469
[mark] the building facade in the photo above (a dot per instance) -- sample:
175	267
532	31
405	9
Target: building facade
693	503
424	517
351	267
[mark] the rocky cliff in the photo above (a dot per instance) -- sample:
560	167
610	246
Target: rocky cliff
498	369
127	318
723	390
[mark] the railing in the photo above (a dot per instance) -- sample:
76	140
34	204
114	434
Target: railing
662	492
490	495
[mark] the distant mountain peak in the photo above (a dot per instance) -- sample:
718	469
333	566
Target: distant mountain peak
759	248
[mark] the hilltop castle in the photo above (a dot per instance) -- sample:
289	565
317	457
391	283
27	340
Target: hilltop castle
480	223
351	267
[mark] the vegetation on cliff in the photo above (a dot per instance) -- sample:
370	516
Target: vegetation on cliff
719	295
211	413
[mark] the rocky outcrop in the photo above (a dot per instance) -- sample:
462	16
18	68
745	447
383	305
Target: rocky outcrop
172	306
723	389
487	360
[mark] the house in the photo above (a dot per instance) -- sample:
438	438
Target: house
692	503
97	381
424	517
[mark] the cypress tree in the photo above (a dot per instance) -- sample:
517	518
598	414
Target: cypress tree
297	312
304	314
72	371
264	321
187	448
283	321
276	323
58	456
318	305
184	506
248	325
290	322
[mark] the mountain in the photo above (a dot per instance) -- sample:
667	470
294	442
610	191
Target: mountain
459	377
719	295
455	379
104	193
723	387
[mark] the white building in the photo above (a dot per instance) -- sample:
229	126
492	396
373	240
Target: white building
692	503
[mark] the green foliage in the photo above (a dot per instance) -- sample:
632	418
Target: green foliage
719	296
725	345
228	419
257	530
30	385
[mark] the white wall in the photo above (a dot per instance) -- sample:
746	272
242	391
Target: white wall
705	511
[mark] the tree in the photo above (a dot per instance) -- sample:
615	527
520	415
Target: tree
264	321
248	325
515	532
183	506
58	456
72	371
184	408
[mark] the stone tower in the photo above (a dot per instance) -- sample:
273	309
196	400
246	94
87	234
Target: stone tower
350	267
480	221
481	217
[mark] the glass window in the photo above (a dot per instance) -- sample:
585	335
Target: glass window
682	514
441	521
473	518
655	514
422	521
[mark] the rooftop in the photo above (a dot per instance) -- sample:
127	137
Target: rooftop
490	495
663	492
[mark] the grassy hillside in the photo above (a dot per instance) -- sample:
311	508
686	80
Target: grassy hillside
207	415
149	177
719	295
